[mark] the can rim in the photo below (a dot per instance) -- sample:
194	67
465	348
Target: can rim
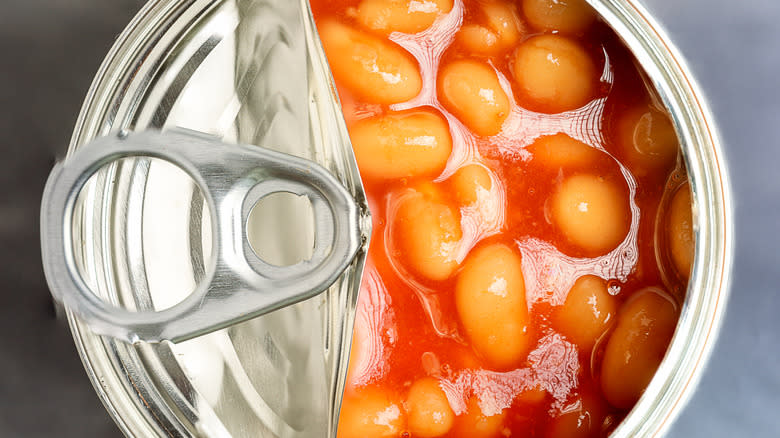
708	289
104	359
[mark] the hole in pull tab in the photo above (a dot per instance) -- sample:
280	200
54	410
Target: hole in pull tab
280	229
137	227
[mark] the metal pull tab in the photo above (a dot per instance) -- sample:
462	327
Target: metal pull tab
238	285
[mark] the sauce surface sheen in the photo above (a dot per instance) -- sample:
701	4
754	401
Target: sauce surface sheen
506	251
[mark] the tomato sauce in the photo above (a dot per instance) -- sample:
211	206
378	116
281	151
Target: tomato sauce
517	259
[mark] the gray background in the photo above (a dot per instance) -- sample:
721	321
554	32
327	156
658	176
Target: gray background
51	49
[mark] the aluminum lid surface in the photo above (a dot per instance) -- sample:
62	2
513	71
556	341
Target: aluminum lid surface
223	68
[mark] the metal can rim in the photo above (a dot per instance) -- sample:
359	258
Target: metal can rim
702	312
113	367
708	289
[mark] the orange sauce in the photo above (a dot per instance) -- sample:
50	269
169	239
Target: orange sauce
463	326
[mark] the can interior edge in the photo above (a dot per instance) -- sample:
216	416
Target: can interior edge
118	371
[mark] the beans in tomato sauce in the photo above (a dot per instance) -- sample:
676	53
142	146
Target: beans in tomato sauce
532	230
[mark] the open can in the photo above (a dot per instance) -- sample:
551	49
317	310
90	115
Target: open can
219	67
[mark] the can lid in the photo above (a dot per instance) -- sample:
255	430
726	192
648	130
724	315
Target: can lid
237	284
246	72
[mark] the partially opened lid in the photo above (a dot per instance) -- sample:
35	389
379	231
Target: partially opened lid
247	72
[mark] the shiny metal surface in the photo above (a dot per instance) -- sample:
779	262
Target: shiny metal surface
709	282
220	67
157	391
236	284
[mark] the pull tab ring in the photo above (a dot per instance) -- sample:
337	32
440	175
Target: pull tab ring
238	285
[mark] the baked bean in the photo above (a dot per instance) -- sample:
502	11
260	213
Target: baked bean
428	233
375	70
408	16
471	91
490	300
645	325
471	183
471	190
582	417
371	412
560	150
591	212
401	145
647	139
502	18
475	424
680	231
502	30
478	39
429	410
587	311
554	73
565	16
